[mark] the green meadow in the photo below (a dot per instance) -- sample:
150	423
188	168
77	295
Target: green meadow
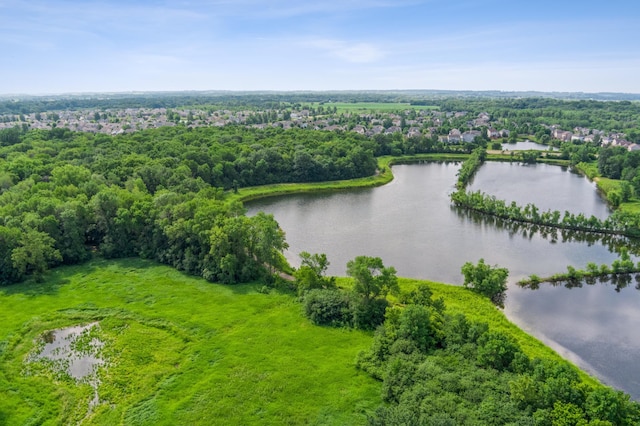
371	107
181	350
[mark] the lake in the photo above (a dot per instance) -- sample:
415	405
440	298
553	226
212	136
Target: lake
412	226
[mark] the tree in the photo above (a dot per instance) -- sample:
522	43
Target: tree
496	350
372	279
328	307
269	240
490	281
35	253
310	274
421	325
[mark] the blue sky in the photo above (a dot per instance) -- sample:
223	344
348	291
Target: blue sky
61	46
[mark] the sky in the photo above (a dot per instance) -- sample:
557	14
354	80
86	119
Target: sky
72	46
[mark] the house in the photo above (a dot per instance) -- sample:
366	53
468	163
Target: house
471	135
414	132
375	130
393	129
454	136
634	147
493	133
606	140
482	120
620	142
562	135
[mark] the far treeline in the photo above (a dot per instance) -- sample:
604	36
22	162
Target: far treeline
568	110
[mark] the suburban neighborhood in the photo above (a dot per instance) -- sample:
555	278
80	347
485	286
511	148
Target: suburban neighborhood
408	123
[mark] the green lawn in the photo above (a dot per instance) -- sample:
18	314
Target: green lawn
181	351
364	107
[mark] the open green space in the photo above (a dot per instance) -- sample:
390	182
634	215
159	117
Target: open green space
180	350
364	107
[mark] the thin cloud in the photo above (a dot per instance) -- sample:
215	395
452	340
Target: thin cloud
348	51
266	9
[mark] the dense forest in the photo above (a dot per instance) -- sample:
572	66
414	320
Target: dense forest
157	194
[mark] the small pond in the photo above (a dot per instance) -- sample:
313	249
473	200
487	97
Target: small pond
74	351
526	146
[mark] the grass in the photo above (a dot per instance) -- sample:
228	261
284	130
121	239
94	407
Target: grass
255	192
365	107
180	351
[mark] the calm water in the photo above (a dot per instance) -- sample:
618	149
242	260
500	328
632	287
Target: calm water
411	225
526	145
60	347
548	187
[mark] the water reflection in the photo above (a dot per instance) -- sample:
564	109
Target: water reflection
528	230
526	146
592	322
74	351
616	281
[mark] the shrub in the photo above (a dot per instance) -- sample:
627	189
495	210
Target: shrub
328	307
369	314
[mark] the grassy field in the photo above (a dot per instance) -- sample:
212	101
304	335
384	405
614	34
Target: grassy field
366	107
180	351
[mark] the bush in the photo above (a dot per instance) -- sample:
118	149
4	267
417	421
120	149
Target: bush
496	350
328	307
369	314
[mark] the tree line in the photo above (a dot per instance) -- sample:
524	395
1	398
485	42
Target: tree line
622	266
157	194
620	222
618	162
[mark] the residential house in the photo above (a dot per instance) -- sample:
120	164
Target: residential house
493	133
359	129
454	136
471	135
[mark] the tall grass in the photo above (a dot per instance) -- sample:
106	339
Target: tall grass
180	351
